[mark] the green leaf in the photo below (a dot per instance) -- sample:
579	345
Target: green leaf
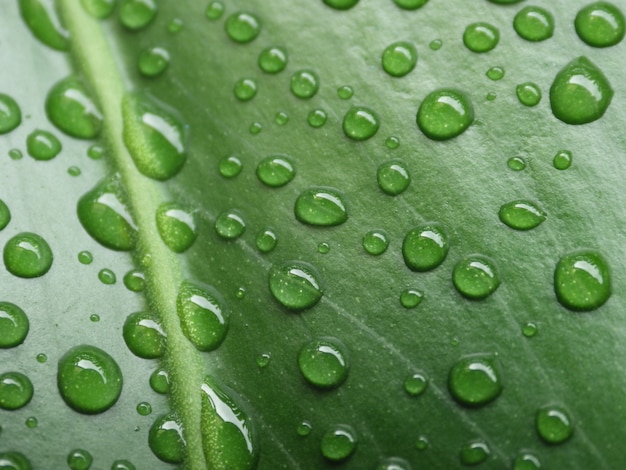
339	255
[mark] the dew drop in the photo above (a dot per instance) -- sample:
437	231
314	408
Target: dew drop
43	21
160	381
435	44
230	224
516	163
94	318
263	360
474	380
495	73
27	255
323	248
521	214
79	459
393	463
166	438
15	154
230	167
5	215
481	37
266	240
422	443
321	206
304	429
341	4
203	315
529	330
444	114
582	281
41	358
295	284
324	362
505	2
476	277
107	276
14	325
245	89
411	298
144	335
474	452
425	247
360	123
375	242
137	14
89	379
177	226
393	177
317	118
562	160
415	384
534	24
16	390
154	135
339	443
345	92
392	142
98	9
175	26
410	4
153	61
70	108
281	118
255	128
275	171
214	10
553	424
122	465
134	280
273	59
10	114
95	152
491	96
580	93
526	461
73	171
14	461
399	58
242	27
42	145
304	84
528	94
144	408
600	24
31	422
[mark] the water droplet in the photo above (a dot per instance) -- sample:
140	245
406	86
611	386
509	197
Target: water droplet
444	114
230	224
166	438
475	380
534	24
422	443
95	152
341	4
266	240
345	92
600	24
360	123
42	20
255	128
304	429
42	145
399	58
425	247
153	61
41	358
14	325
435	44
214	10
275	171
160	381
305	83
137	14
281	118
154	135
562	160
134	280
491	96
495	73
122	465
324	362
393	463
228	437
481	37
528	94
295	284
263	360
339	442
89	379
175	25
521	214
203	315
410	4
474	452
554	424
245	89
79	459
107	276
516	163
375	242
580	92
411	298
526	461
94	317
176	225
73	171
582	280
16	390
144	335
273	59
242	27
317	118
98	9
393	177
144	408
321	206
70	108
476	277
415	384
15	154
230	167
31	422
10	114
27	255
392	142
240	293
323	248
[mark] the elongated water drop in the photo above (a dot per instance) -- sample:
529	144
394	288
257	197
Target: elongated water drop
70	108
144	335
295	284
166	438
10	114
14	325
444	114
425	247
582	280
475	380
321	206
16	390
27	255
521	214
176	225
324	362
43	21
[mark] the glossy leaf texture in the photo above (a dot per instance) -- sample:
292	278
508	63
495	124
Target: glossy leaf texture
350	234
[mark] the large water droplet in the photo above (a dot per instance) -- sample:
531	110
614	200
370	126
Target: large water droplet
425	247
562	160
27	255
600	24
16	390
42	145
154	135
14	325
43	21
89	379
534	23
521	214
10	114
321	206
230	224
144	335
444	114
305	83
582	280
324	362
166	438
242	27
339	442
134	280
176	225
341	4
137	14
375	242
360	123
295	284
273	59
476	277
79	459
393	177
481	37
474	452
70	108
475	380
580	92
554	424
104	215
317	118
5	215
153	61
230	166
276	171
14	461
415	384
399	58
98	9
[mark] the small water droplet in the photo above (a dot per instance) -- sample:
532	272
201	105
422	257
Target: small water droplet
392	142
304	84
425	247
295	284
42	145
15	461
5	215
107	276
580	93
415	384
144	335
240	293
263	360
341	4
323	248
94	318
375	242
177	226
242	27
14	325
444	114
393	463
166	438
529	329
273	59
534	24
175	25
122	465
266	240
339	442
317	118
600	24
435	44
98	9
399	58
345	92
393	177
276	171
160	381
281	118
476	277
475	380
324	362
360	123
304	428
495	73
422	443
230	224
27	255
481	37
31	422
411	298
474	452
134	280
255	128
526	461
562	160
41	358
42	20
144	408
79	459
137	14
521	214
16	390
582	280
554	424
15	154
321	206
214	10
89	379
10	114
528	94
245	89
516	163
73	171
70	108
230	167
491	96
95	152
153	61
